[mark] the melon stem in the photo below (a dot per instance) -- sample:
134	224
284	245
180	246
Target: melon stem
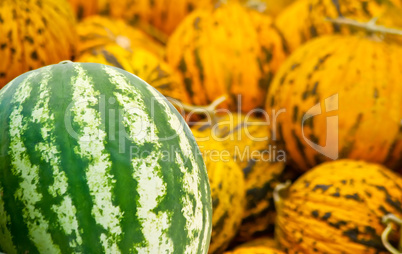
278	190
370	26
389	220
256	5
66	62
209	110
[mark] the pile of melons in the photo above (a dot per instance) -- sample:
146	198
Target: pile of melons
296	106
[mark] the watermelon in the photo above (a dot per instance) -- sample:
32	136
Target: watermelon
94	160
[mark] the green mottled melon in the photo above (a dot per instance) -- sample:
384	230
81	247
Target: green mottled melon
94	160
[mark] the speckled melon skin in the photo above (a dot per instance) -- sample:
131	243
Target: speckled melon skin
311	14
364	76
227	50
96	31
244	139
140	62
227	190
337	207
34	34
164	15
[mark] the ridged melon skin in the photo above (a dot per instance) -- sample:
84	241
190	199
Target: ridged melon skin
340	94
337	207
113	42
77	178
312	14
246	140
142	63
211	67
164	15
34	34
99	31
227	190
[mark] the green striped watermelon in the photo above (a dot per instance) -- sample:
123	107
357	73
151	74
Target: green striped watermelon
94	160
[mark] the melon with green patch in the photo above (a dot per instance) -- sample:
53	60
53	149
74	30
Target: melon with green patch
94	160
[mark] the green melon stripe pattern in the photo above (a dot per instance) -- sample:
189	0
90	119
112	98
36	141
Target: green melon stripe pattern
169	183
42	115
190	182
151	186
91	147
27	192
5	233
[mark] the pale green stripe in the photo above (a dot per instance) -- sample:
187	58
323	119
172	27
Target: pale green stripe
6	239
207	229
92	147
66	214
193	218
29	174
147	171
151	188
66	211
140	124
142	127
191	180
